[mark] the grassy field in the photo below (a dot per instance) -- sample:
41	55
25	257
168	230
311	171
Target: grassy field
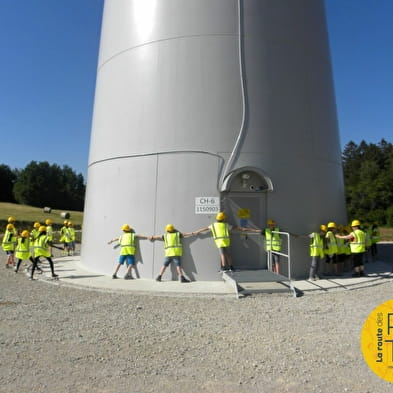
386	234
27	215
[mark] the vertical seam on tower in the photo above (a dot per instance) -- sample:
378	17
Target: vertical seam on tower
155	215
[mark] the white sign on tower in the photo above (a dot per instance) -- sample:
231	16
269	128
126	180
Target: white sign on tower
207	205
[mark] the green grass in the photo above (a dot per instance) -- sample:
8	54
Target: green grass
26	215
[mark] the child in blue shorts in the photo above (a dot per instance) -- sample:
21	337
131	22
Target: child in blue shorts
127	244
173	250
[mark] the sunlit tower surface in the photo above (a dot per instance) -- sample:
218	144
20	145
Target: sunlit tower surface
211	105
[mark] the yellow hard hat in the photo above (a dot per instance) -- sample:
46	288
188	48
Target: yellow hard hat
42	228
48	221
11	219
69	223
355	223
36	225
65	222
25	233
323	228
331	225
126	228
10	227
169	228
220	216
270	222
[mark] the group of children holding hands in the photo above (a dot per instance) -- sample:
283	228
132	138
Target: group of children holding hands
172	239
326	245
173	246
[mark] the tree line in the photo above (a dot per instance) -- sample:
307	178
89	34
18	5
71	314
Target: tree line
40	184
368	178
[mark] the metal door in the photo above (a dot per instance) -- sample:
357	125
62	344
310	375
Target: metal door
246	210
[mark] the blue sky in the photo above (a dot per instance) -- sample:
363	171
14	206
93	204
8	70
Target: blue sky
49	58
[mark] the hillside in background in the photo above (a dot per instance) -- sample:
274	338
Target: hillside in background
27	215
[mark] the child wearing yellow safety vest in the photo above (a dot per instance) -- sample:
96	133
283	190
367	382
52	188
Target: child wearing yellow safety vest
8	244
71	233
22	251
173	250
34	232
127	244
273	242
331	250
316	252
220	231
49	232
41	249
357	243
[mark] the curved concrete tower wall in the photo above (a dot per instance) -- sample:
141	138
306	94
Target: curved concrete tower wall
201	98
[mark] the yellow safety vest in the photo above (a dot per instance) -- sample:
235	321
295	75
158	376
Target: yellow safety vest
127	243
9	241
67	235
63	230
316	246
331	243
341	247
272	241
23	248
41	247
34	233
358	245
172	244
220	232
72	233
49	232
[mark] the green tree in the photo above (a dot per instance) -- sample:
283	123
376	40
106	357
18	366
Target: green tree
7	180
41	184
368	176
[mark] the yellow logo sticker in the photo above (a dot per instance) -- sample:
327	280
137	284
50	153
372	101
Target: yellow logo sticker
377	341
244	213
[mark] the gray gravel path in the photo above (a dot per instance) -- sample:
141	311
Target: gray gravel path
70	340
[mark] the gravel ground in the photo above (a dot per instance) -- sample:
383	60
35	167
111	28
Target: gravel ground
60	339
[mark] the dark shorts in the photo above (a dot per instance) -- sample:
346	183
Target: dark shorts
357	259
331	258
9	252
169	260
